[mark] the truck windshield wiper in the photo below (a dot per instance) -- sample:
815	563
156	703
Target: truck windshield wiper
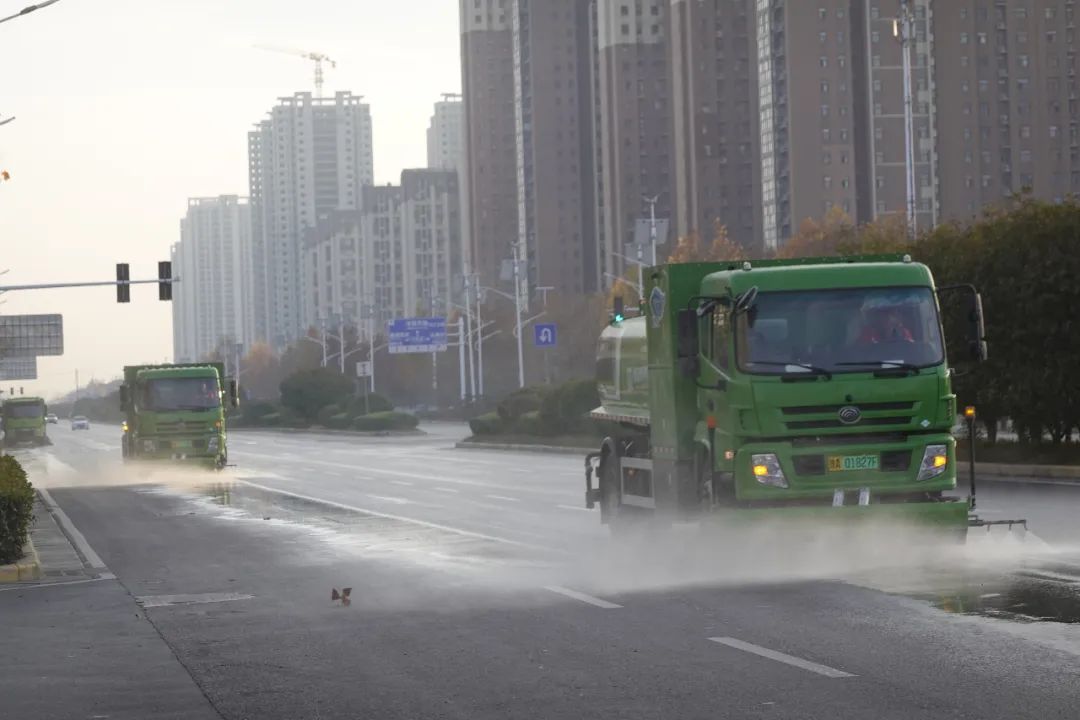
904	367
811	370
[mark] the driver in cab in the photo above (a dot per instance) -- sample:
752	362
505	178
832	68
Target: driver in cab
888	328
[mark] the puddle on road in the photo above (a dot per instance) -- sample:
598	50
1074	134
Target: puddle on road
1019	600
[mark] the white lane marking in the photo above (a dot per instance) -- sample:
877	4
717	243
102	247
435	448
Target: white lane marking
987	596
573	507
155	601
574	594
502	497
1050	575
402	518
402	483
92	558
446	490
389	499
781	657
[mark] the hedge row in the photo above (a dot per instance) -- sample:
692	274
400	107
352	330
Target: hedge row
545	411
16	509
350	414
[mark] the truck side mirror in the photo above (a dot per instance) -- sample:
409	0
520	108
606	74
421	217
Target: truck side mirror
234	394
977	329
688	344
123	397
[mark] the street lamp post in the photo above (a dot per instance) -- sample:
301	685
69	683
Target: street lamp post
904	31
652	227
517	315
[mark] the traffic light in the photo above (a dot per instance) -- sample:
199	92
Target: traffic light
164	273
123	276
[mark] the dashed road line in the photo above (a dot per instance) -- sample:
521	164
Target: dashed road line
781	657
452	491
575	595
503	498
402	483
573	507
391	499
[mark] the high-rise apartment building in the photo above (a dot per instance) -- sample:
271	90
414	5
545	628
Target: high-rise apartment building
553	44
1008	113
400	255
445	135
212	258
490	202
716	138
309	158
634	128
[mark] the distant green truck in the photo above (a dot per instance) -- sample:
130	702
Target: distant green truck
176	412
24	421
783	389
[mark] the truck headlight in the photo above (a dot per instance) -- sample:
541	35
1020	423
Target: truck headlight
767	470
213	444
149	446
934	462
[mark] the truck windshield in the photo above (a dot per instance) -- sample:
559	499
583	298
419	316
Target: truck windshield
24	410
849	330
180	394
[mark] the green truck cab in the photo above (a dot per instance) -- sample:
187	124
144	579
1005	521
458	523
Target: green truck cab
24	421
782	388
176	412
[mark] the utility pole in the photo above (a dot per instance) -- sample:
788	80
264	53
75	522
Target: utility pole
652	230
479	337
341	336
469	290
904	31
518	310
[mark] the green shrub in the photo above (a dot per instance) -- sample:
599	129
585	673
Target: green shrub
16	509
327	413
307	392
383	421
489	424
520	402
341	421
529	424
375	404
565	409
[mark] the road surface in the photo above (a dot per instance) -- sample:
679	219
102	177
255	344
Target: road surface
481	588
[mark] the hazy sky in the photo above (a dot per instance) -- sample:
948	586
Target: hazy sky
125	108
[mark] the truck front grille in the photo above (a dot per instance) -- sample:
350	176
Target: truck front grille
835	423
814	465
834	409
182	426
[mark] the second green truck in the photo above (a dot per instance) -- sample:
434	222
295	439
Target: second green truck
176	412
783	389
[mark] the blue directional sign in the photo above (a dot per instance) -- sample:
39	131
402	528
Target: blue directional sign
545	335
418	335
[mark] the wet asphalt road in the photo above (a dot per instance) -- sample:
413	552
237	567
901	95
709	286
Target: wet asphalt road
482	589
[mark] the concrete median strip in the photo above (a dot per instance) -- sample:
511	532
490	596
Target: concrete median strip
781	657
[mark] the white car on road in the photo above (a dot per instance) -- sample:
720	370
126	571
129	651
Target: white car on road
79	422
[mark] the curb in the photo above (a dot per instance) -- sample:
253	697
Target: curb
543	449
339	433
28	569
1068	473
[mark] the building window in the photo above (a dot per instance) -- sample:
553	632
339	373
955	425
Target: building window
1053	131
824	87
841	60
823	37
822	13
823	61
825	133
1024	61
963	38
827	182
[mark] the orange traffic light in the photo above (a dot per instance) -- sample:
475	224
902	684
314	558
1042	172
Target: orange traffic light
969	411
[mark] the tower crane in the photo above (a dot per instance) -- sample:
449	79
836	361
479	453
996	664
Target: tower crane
316	57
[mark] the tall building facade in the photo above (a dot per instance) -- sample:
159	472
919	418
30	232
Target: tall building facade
554	104
634	128
489	186
446	135
212	259
309	158
1008	113
400	255
717	149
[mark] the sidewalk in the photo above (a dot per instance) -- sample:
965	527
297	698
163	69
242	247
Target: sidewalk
76	644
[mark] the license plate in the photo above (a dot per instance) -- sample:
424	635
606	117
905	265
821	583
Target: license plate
181	444
847	463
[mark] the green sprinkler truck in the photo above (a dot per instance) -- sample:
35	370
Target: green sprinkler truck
176	412
783	389
24	421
